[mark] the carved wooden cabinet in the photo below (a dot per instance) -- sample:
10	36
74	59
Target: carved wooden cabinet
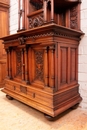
42	57
4	30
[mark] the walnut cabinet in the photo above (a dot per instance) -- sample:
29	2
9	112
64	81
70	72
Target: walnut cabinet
42	57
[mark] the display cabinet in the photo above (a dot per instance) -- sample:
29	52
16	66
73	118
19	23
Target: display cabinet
42	57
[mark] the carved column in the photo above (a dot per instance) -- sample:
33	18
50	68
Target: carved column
26	65
23	64
46	68
18	14
9	61
45	11
52	10
23	14
52	80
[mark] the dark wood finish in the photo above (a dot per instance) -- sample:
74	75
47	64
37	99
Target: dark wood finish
43	60
4	25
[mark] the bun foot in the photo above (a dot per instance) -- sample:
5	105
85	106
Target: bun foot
9	97
50	118
75	106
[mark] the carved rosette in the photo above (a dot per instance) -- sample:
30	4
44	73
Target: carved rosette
36	21
39	73
18	64
74	18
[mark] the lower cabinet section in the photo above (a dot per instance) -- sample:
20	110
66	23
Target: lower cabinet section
46	102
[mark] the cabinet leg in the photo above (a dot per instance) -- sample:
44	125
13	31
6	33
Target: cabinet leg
9	97
50	118
75	106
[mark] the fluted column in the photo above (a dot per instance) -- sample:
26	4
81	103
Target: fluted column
26	65
23	14
46	68
52	10
45	11
18	14
52	65
23	64
9	63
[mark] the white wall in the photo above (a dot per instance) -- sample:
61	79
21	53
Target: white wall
82	71
83	56
13	16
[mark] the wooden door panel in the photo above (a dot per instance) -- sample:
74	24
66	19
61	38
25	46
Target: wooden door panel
73	64
4	6
63	65
37	69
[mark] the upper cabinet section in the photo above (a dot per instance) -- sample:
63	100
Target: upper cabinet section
36	13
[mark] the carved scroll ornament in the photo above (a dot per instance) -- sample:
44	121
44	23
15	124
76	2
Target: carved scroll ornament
73	18
36	21
21	40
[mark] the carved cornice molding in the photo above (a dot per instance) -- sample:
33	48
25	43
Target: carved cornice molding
23	39
42	31
51	34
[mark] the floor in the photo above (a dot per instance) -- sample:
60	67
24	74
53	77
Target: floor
15	115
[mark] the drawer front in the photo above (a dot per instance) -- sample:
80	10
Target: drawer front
26	91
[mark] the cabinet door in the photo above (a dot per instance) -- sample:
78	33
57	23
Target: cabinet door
42	66
36	66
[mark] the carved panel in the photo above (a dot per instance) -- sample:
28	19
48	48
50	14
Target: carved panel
18	63
36	21
73	64
23	89
74	18
63	65
39	72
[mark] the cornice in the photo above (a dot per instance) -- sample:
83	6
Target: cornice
43	31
